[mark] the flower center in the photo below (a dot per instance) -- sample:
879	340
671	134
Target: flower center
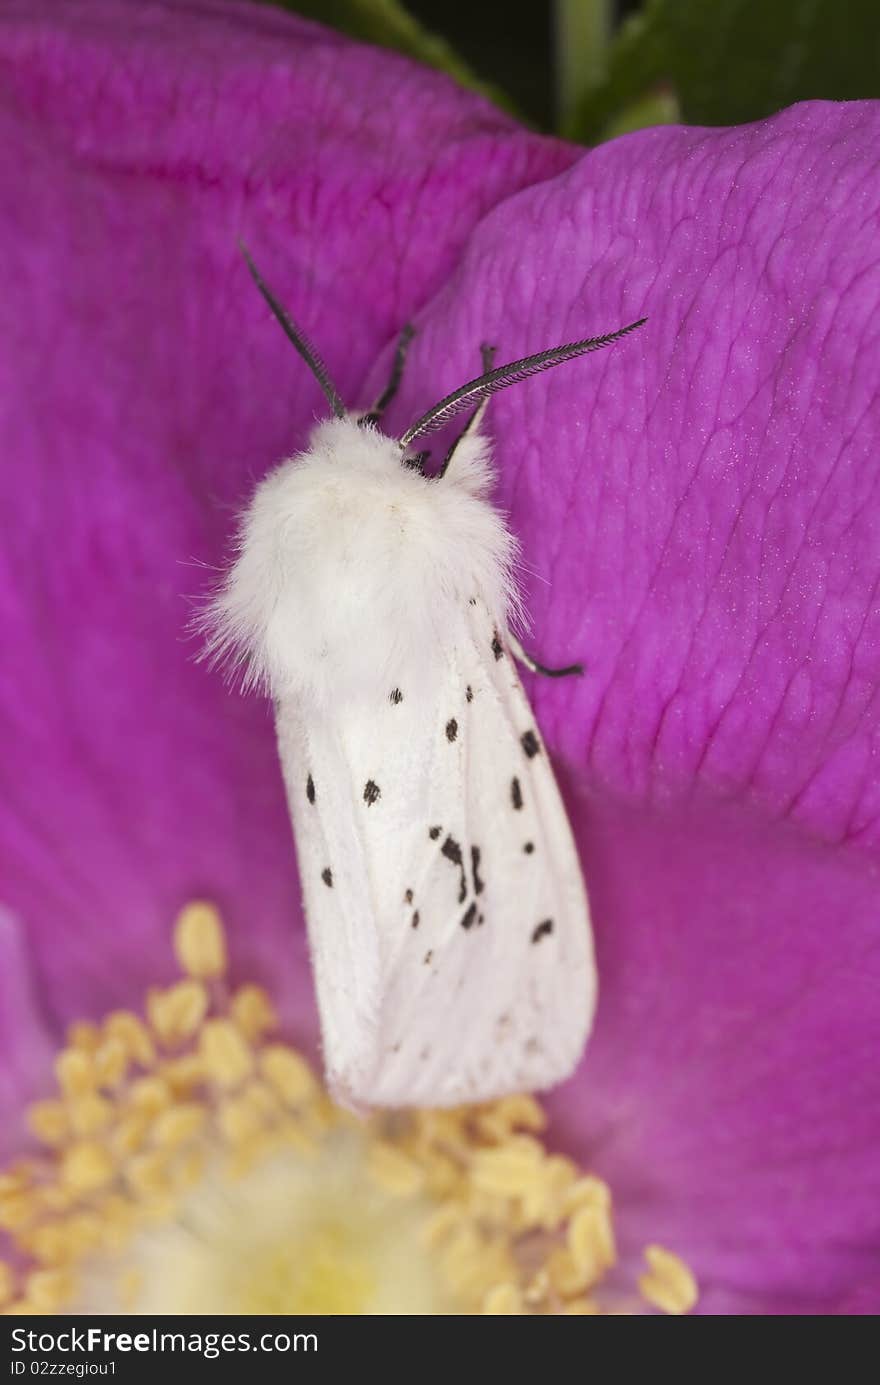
328	1272
191	1163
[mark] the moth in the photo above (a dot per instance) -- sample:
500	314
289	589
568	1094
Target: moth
373	599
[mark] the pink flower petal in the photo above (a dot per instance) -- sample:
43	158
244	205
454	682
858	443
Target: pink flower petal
700	522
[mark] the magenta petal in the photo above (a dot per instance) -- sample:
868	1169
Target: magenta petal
701	501
142	387
701	510
730	1092
26	1043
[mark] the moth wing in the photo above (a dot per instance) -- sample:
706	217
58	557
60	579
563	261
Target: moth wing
335	876
507	1000
452	951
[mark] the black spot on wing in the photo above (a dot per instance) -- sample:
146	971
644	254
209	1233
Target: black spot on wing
497	647
415	919
469	693
396	695
469	917
530	744
451	729
371	792
427	958
516	797
310	789
475	870
327	877
543	930
434	833
408	897
473	601
528	848
452	851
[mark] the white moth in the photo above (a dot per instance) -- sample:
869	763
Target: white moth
447	916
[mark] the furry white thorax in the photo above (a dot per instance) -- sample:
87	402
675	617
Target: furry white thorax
354	569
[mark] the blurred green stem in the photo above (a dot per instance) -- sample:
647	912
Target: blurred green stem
583	31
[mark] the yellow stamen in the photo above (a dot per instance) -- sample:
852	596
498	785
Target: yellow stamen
47	1290
182	1074
288	1073
581	1307
670	1285
17	1209
394	1170
110	1060
178	1125
225	1054
193	1163
150	1095
199	944
133	1036
147	1175
504	1299
177	1012
253	1012
86	1167
84	1035
75	1072
89	1115
48	1121
511	1113
509	1168
591	1240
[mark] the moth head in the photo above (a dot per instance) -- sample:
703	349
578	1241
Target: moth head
353	565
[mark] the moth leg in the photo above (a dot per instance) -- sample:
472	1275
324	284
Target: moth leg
570	671
374	415
476	418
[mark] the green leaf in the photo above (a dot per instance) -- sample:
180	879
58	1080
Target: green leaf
582	31
656	107
731	61
388	24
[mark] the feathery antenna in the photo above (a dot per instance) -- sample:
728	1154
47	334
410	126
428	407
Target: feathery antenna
494	380
298	338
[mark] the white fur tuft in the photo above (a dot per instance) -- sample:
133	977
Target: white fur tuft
353	568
